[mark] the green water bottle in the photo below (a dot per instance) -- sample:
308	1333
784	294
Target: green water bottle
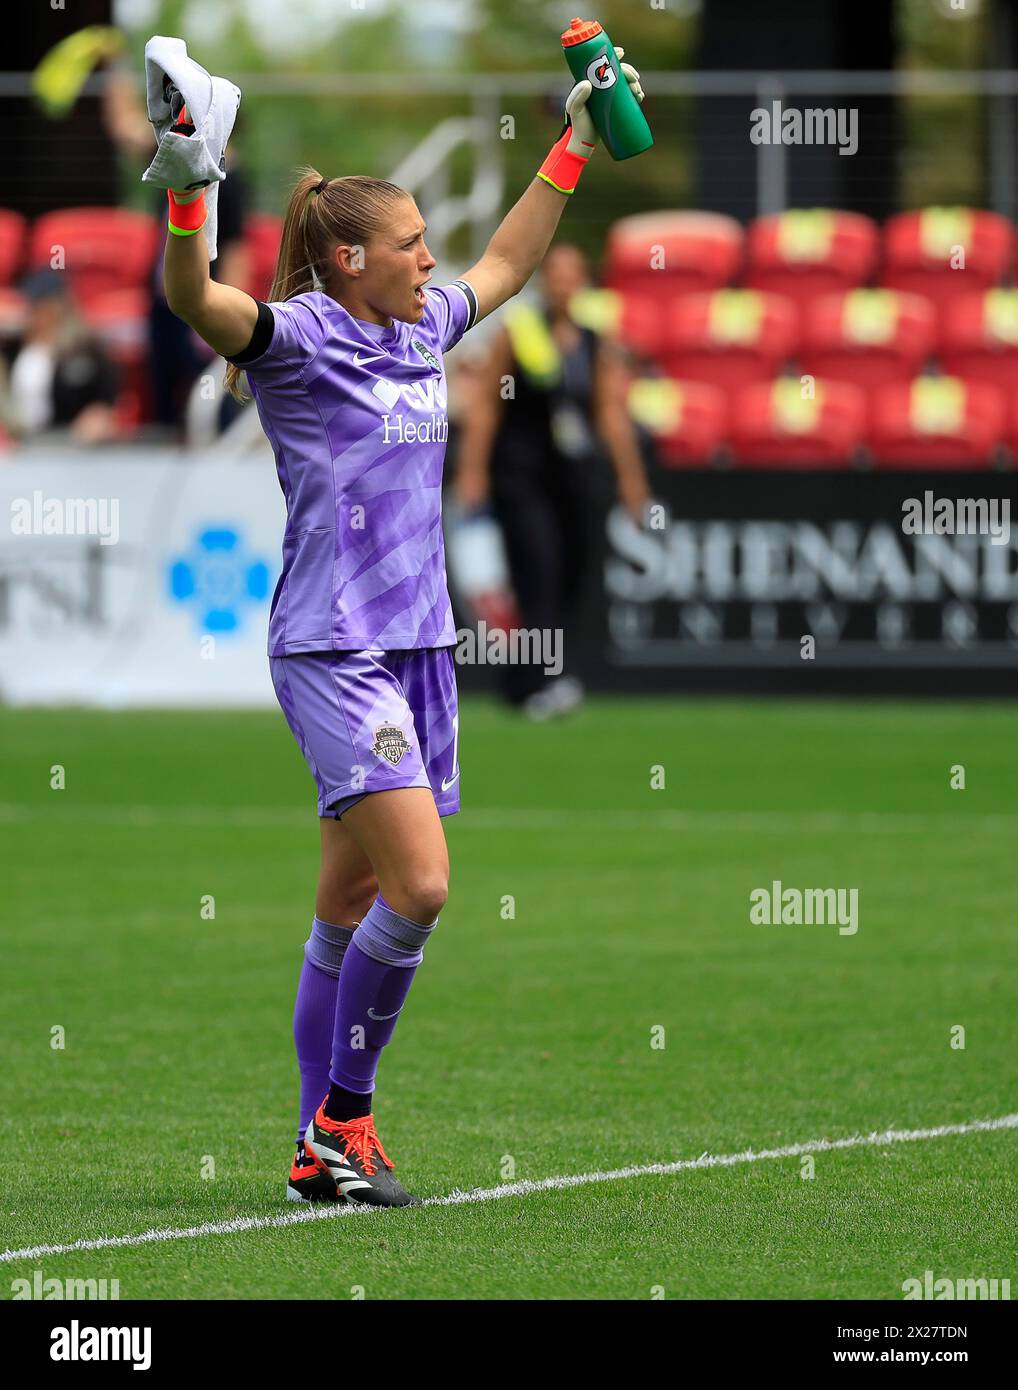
614	110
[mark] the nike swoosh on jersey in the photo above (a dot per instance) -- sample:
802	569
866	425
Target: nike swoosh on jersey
358	360
446	785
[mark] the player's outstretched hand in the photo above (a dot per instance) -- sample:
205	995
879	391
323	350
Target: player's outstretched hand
631	76
192	114
176	162
584	135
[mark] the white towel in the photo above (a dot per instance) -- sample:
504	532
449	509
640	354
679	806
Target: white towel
189	161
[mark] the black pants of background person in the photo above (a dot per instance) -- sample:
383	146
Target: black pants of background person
174	361
544	504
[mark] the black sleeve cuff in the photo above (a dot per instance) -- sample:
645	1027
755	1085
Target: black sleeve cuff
260	338
471	299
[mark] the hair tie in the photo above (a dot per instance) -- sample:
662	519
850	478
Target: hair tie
321	187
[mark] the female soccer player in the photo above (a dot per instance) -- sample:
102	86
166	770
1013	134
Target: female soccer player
346	367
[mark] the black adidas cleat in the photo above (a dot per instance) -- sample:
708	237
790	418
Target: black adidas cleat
350	1150
310	1181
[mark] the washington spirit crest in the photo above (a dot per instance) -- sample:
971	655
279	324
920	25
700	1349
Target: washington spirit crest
390	743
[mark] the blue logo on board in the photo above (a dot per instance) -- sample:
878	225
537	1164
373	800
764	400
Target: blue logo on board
218	578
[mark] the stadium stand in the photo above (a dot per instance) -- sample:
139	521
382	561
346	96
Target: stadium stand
944	253
728	338
262	232
13	236
713	315
807	252
1011	425
102	248
108	254
936	422
664	253
979	340
119	318
13	240
636	320
866	337
777	424
687	420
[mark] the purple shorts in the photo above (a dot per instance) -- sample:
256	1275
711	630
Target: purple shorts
368	721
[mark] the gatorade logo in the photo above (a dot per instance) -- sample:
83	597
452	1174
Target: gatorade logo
600	73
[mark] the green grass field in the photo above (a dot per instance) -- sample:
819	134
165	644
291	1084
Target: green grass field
525	1049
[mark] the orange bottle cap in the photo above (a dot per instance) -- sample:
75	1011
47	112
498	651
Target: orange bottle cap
579	31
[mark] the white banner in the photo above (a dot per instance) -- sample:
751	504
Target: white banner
141	579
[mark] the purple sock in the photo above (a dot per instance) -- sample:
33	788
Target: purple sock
377	974
314	1014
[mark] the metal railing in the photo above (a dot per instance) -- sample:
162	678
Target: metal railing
425	172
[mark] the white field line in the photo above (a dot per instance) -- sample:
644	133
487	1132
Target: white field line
514	1189
534	818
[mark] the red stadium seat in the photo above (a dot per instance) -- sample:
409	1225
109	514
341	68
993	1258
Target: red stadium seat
729	338
775	426
807	252
120	319
1011	426
263	232
635	319
936	422
13	230
686	419
103	248
867	337
662	253
944	253
979	341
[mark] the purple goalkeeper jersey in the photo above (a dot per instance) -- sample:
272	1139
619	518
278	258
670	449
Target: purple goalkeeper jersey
356	416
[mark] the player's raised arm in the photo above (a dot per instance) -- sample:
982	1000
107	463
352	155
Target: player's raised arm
524	235
224	316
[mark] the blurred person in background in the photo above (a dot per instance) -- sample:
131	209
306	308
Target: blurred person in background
544	460
62	376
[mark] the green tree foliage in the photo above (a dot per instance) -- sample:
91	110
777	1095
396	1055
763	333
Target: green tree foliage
942	160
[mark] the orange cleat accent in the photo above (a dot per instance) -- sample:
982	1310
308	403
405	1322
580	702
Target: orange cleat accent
314	1165
360	1137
